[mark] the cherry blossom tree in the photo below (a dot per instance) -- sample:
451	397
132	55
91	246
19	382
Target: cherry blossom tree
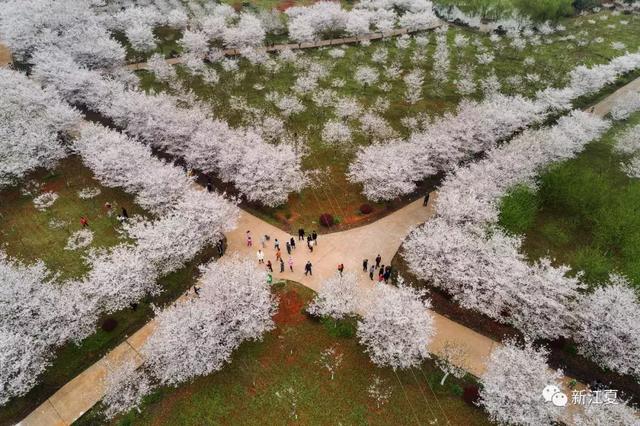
512	386
30	121
613	413
125	386
239	156
336	132
396	326
160	68
247	32
414	81
338	297
35	315
119	161
625	105
197	337
608	330
453	360
26	26
476	127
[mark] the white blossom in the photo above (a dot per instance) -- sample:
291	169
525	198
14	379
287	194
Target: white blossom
396	326
337	297
512	386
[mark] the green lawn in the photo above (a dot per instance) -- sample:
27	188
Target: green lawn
332	193
538	10
585	213
281	381
30	234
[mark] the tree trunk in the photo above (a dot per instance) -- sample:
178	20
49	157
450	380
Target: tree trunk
444	378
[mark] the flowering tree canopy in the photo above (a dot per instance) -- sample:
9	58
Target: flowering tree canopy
30	121
512	386
608	330
396	326
338	297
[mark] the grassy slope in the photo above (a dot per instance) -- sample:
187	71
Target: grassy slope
333	193
264	379
584	215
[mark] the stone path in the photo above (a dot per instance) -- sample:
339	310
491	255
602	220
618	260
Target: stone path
305	45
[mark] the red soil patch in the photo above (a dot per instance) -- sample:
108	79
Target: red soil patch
285	4
289	309
282	218
53	186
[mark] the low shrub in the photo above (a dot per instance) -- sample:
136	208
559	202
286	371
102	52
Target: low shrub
340	328
366	209
326	219
109	324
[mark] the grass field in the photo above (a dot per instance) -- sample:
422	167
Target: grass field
281	380
30	234
584	214
239	91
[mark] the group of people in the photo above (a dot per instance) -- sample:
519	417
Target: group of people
290	245
312	238
384	272
84	220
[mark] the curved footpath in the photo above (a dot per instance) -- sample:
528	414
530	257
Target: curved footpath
349	247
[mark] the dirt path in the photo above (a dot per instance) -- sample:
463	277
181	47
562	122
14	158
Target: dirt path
349	247
5	56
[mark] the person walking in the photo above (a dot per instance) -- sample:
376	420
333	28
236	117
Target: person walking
340	268
276	244
314	237
269	266
260	256
84	221
387	274
249	243
288	245
381	273
372	270
310	245
209	186
290	262
307	268
365	264
263	241
378	260
425	202
278	255
281	265
301	234
292	241
125	215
